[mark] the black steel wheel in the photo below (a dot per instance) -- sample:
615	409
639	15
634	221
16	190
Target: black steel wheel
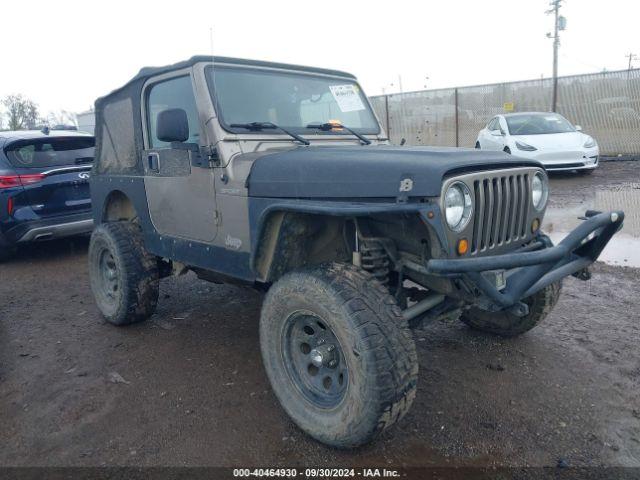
338	354
109	285
124	276
314	359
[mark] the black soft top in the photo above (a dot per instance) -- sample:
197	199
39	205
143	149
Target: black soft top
119	124
147	72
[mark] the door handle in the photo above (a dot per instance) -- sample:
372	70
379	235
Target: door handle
153	160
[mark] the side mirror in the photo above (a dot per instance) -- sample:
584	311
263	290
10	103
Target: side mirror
578	128
172	125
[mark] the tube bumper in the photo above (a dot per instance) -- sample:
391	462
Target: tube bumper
531	271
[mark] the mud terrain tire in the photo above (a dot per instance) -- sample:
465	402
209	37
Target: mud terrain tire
124	276
376	348
507	324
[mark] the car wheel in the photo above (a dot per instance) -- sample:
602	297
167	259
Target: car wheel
124	276
478	145
507	324
338	354
507	150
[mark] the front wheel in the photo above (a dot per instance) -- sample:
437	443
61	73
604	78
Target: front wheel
338	354
124	276
507	324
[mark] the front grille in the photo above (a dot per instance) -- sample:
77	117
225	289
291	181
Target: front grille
501	209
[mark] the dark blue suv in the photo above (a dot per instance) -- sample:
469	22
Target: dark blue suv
44	186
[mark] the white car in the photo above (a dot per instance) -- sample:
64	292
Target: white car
547	137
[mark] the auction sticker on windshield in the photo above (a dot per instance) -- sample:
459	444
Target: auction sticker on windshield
347	97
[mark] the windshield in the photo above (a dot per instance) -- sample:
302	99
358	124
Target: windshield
538	124
51	152
289	100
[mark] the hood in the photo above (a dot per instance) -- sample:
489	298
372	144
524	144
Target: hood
375	171
554	141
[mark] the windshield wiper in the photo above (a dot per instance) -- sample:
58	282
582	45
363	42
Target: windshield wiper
327	127
257	126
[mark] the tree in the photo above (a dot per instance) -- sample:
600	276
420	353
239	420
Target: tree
22	113
61	117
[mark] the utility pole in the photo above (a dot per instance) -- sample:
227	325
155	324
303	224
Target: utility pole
631	57
560	23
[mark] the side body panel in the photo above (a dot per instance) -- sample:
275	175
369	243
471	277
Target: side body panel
219	259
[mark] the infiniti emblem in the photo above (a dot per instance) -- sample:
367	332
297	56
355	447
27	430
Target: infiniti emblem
84	175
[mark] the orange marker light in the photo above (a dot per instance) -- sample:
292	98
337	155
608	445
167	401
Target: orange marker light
463	246
335	125
535	225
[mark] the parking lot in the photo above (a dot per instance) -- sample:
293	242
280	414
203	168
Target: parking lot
188	388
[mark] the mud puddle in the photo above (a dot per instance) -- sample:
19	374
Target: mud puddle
624	247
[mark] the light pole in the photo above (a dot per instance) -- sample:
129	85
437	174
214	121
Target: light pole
560	23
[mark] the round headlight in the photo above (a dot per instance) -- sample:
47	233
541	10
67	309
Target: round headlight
457	206
539	191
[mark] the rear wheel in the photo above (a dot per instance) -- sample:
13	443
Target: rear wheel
478	145
124	276
507	150
338	354
507	324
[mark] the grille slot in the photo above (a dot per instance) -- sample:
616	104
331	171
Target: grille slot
501	207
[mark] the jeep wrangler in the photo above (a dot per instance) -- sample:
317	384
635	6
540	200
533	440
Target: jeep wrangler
281	177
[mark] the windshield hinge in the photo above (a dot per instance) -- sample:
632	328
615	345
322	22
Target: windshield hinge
210	152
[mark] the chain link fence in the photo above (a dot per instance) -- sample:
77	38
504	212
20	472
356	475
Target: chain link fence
606	105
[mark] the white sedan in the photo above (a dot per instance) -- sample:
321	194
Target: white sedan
547	137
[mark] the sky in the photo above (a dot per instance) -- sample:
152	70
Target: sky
63	55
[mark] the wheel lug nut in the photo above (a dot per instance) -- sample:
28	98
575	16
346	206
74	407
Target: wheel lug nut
330	348
333	363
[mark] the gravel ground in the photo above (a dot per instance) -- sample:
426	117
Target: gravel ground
188	388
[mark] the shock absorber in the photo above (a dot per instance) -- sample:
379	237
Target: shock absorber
375	260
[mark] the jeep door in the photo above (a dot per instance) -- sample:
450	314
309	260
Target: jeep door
179	185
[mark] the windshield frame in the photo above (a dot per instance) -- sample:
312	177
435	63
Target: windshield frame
299	130
541	114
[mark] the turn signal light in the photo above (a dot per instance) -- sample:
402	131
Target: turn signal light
535	225
463	246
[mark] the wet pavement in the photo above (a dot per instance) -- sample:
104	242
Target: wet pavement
614	186
187	387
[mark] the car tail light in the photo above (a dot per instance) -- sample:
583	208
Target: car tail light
10	206
9	181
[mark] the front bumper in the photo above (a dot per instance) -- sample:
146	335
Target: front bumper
584	164
535	266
